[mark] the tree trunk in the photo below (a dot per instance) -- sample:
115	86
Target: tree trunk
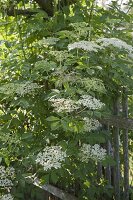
47	6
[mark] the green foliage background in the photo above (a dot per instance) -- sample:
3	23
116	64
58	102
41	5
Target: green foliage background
27	121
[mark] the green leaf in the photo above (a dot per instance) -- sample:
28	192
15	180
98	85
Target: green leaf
54	177
87	183
55	125
27	136
52	118
0	159
108	161
7	161
45	179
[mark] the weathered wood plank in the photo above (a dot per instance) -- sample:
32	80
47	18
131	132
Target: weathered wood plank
108	147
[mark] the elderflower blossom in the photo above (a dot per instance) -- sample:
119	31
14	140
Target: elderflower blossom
94	152
60	55
93	84
91	124
51	157
26	88
6	176
85	45
48	41
19	88
122	4
7	197
116	43
63	105
90	102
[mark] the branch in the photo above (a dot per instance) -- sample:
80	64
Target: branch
26	12
55	191
46	5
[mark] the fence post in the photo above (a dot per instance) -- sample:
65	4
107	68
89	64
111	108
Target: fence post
125	145
116	150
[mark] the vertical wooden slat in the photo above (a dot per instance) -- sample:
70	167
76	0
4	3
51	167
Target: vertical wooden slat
116	151
46	196
99	171
77	187
108	169
125	146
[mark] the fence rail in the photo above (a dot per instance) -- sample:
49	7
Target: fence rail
117	121
54	191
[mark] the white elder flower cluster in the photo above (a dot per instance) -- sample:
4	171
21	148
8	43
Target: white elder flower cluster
6	197
101	43
93	84
90	102
8	88
94	152
63	105
78	25
26	88
105	42
123	4
91	124
64	77
6	177
48	41
85	45
19	88
69	105
60	55
51	157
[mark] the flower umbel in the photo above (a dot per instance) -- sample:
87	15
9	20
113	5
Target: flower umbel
7	197
60	55
90	102
48	41
6	177
85	45
116	43
91	124
19	88
93	84
51	157
94	152
63	105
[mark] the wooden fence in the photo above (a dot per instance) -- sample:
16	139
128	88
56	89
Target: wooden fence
115	124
